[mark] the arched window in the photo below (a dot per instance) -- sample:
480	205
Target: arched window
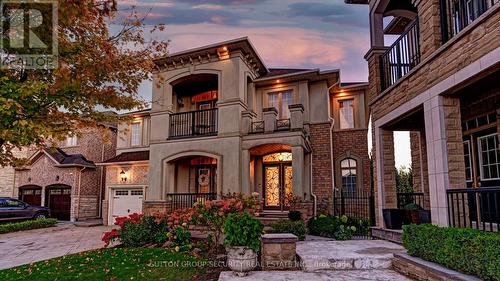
349	175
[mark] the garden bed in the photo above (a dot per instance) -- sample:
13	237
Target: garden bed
26	225
116	264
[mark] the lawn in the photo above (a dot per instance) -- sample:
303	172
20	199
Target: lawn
111	264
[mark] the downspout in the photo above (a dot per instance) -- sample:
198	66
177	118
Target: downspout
332	162
99	204
79	191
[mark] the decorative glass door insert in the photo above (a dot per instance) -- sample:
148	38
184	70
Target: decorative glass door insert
277	180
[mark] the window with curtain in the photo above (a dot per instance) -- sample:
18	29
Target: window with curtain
135	134
346	110
348	169
489	157
281	100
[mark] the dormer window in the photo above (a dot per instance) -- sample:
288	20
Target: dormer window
135	134
71	141
346	110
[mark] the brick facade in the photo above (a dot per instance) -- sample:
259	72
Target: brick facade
321	163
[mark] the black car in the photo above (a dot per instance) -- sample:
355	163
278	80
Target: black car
13	209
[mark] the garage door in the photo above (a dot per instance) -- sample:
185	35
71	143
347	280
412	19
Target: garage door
127	201
31	195
59	202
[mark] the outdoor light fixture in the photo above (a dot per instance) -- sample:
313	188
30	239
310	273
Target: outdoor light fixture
123	176
277	81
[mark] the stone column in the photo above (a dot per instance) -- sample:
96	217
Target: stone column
245	172
298	170
270	116
246	121
385	171
430	26
373	58
296	117
169	179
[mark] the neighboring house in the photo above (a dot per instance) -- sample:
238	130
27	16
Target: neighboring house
222	122
440	81
7	175
65	178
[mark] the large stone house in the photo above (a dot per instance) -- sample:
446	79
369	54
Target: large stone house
65	177
222	122
439	80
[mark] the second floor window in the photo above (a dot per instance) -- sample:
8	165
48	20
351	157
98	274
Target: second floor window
135	134
281	100
346	111
71	141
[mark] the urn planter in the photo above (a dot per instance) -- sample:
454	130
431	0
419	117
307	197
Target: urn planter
241	260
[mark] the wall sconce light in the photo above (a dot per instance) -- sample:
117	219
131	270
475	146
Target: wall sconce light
123	176
29	179
57	178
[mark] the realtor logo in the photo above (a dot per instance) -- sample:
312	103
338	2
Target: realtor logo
28	34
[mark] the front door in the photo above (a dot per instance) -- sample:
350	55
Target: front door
277	186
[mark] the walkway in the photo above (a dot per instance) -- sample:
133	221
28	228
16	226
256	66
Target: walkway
29	246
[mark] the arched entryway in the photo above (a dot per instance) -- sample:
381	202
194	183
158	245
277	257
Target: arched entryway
58	199
277	180
31	194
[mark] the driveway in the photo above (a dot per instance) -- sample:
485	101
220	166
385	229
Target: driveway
29	246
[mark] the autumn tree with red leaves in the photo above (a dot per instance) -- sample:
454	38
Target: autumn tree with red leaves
98	71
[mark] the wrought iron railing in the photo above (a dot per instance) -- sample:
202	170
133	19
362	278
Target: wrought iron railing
474	208
405	198
257	127
401	57
193	123
282	124
458	14
187	200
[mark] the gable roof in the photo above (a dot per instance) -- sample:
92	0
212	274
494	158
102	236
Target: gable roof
62	159
243	44
124	157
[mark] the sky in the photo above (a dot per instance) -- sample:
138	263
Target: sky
325	34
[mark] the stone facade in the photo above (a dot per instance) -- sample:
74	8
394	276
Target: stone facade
7	175
279	251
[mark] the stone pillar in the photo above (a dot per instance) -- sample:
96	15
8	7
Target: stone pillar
385	173
270	117
419	165
430	26
246	121
298	170
296	117
444	153
374	76
245	172
170	178
279	251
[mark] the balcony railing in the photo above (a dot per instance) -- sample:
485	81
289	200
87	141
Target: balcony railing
401	57
187	200
474	208
405	198
257	127
193	123
458	14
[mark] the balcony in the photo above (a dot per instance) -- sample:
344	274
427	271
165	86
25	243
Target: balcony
194	124
272	123
458	14
400	57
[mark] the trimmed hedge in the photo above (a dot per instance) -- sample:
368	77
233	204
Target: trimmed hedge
25	225
297	228
467	250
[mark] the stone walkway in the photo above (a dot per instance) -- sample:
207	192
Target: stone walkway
29	246
325	259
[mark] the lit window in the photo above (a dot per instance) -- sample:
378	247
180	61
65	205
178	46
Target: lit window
349	175
468	161
278	157
346	114
71	141
281	101
135	134
489	157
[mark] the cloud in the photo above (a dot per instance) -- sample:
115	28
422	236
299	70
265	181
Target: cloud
334	12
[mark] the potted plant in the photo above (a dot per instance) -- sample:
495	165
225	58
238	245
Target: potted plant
242	242
393	218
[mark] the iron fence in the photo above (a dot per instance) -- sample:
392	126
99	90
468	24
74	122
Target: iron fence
405	198
193	123
458	14
187	200
359	206
474	208
401	57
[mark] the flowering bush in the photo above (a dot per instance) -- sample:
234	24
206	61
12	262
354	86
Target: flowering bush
138	230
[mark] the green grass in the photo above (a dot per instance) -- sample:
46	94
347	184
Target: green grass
25	225
110	264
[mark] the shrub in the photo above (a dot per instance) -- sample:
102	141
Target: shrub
25	225
333	227
138	230
294	215
241	229
467	250
298	228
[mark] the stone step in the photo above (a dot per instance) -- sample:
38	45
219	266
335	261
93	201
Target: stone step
347	255
392	235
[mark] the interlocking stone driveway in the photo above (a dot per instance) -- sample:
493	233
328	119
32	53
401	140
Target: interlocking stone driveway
29	246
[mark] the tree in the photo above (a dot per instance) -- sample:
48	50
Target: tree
404	180
98	72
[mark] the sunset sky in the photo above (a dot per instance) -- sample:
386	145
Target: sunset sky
326	34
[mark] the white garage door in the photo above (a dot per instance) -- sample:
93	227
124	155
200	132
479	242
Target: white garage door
127	201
